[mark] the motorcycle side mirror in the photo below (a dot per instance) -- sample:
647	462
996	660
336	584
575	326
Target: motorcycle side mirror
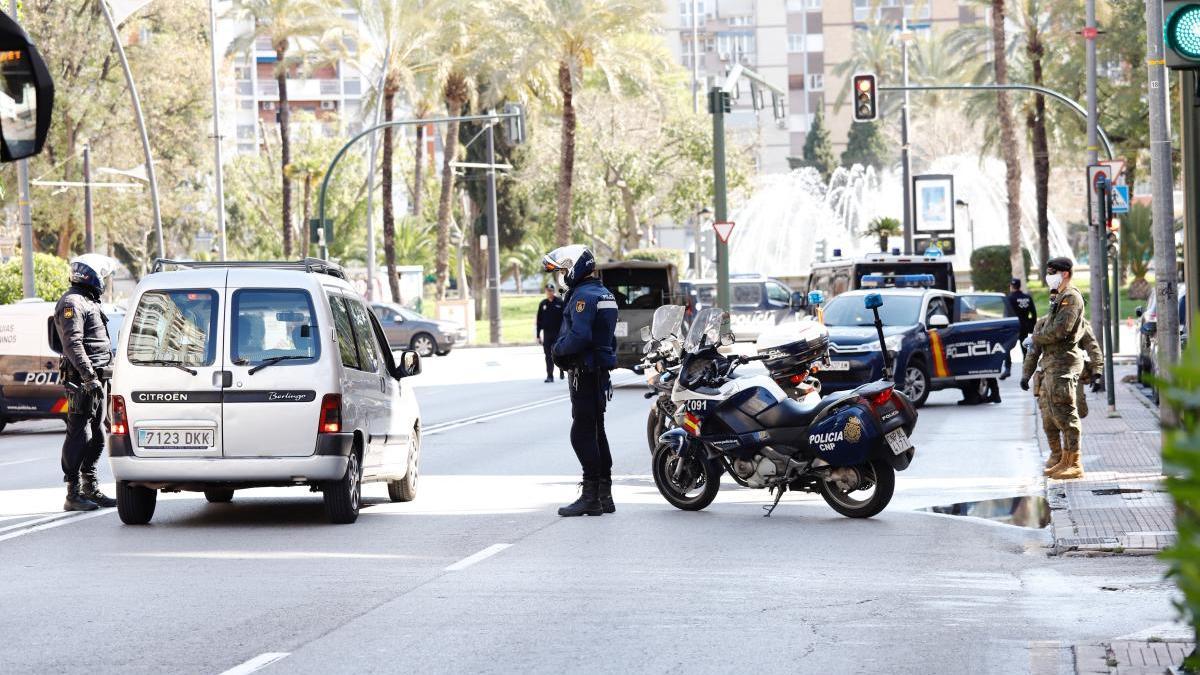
1139	311
26	94
873	301
645	333
726	339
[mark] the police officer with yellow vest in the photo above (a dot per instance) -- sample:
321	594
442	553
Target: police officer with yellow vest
587	350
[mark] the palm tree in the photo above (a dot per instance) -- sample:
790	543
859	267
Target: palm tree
399	33
290	25
1008	141
308	169
563	40
883	227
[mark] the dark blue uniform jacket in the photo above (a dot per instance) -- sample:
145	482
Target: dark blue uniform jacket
589	324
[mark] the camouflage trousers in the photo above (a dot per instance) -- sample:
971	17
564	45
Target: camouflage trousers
1058	401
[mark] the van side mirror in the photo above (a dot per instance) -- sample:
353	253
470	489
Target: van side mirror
26	94
52	336
799	301
939	321
410	364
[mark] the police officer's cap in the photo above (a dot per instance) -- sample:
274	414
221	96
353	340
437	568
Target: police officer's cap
1060	264
1015	282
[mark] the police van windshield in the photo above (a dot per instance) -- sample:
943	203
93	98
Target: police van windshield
897	310
174	326
271	323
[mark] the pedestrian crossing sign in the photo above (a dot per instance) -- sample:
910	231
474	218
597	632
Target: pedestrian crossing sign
1120	199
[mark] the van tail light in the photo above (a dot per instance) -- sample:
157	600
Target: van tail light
331	414
119	420
881	398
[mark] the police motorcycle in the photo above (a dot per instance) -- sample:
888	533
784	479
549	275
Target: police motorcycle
846	446
660	365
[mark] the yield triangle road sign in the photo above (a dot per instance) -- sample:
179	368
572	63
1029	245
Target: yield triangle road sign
724	228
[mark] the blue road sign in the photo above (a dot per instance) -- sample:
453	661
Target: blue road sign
1120	199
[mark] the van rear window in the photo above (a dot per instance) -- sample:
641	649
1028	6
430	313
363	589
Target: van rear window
175	325
638	288
273	322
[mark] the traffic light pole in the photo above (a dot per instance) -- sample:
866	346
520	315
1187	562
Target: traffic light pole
905	158
1097	243
1189	141
1103	299
717	98
493	230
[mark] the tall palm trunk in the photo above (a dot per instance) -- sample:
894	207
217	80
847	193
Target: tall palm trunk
456	95
304	236
1036	121
388	185
1008	142
285	146
418	170
566	169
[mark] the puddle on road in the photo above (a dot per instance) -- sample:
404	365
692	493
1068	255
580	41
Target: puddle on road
1031	512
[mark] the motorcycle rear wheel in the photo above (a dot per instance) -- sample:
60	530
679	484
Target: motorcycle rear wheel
883	483
697	485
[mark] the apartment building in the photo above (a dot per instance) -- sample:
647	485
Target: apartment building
797	44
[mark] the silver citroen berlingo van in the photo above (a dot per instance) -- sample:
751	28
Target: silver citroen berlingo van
252	374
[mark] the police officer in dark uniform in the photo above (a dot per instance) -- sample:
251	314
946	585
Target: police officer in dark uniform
549	321
1023	305
587	350
86	367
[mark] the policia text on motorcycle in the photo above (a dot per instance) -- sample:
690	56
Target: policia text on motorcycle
86	368
586	349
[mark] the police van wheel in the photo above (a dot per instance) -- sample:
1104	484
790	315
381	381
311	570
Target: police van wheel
405	490
135	504
424	345
876	480
916	383
219	496
343	496
689	487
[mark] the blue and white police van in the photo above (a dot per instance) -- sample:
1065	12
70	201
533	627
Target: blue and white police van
756	302
938	339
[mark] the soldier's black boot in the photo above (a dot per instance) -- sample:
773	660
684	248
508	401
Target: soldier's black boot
588	503
76	501
606	500
89	488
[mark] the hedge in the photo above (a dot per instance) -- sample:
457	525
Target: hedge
991	270
51	278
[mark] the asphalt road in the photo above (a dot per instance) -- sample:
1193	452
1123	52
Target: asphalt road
479	574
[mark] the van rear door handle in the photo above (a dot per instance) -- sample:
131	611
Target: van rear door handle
222	378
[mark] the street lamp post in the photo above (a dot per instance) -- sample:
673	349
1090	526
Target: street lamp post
905	158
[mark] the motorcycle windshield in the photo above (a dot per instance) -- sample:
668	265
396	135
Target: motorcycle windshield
707	328
666	322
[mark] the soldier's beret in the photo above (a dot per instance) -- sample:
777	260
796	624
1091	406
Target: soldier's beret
1062	264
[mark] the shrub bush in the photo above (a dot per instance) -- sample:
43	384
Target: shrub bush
990	269
672	255
1181	458
50	278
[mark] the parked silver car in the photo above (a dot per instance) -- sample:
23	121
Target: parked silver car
406	329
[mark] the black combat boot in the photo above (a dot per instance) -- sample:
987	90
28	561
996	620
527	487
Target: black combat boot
89	488
587	504
76	501
606	500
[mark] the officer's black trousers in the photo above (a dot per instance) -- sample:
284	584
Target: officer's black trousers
548	348
85	433
589	397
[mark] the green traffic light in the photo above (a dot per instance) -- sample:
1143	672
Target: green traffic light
1182	31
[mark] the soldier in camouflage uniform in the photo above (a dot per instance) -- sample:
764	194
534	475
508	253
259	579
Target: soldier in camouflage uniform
1062	364
1031	372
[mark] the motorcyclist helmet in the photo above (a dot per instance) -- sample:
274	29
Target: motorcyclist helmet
92	270
571	264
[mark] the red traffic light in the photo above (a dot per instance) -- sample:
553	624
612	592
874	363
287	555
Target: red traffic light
866	98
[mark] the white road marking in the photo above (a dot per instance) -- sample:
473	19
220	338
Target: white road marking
49	522
21	461
257	663
482	555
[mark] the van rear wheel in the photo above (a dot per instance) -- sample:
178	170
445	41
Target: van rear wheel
135	504
219	496
343	496
405	489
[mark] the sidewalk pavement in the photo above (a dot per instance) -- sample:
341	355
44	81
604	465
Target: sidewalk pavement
1121	505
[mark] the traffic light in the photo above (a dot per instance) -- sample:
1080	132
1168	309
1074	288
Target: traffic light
514	128
718	101
1181	34
866	98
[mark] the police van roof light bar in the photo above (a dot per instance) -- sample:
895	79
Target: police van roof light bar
310	265
897	280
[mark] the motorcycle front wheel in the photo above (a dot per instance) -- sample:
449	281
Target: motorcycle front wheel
871	494
688	483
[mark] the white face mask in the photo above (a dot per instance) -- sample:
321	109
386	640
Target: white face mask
1054	280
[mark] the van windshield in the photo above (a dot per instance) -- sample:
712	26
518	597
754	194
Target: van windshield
174	326
270	323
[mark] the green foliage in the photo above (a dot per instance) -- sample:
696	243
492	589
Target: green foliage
1181	457
884	227
1137	245
990	269
50	278
818	148
865	146
674	256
